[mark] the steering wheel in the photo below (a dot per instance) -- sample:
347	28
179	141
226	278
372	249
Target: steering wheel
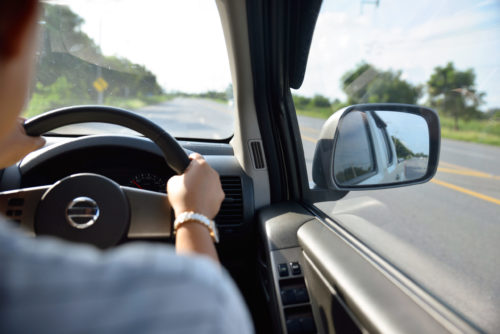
91	208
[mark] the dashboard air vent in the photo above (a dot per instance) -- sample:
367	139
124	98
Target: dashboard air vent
231	211
14	210
258	154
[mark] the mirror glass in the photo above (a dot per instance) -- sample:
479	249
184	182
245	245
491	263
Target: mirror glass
380	147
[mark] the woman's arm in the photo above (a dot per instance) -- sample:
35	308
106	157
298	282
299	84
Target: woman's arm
197	190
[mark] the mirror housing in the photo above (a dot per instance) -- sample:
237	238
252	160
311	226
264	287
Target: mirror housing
377	146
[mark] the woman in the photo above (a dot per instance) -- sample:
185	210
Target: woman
49	286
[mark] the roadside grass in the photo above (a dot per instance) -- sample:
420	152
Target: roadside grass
221	101
38	104
471	136
136	102
133	103
316	112
475	131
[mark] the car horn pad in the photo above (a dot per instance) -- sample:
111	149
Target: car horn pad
85	208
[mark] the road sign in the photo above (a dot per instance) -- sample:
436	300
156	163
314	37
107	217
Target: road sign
100	84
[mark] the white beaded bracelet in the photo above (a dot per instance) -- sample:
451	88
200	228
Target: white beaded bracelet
191	216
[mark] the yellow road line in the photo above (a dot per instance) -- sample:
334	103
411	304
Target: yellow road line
468	173
454	166
467	191
312	140
455	169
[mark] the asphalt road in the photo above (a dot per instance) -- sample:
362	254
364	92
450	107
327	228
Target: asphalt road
444	234
181	117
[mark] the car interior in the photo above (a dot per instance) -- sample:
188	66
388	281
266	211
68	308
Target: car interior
298	269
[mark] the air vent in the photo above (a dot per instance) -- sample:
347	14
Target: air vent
15	209
258	154
231	211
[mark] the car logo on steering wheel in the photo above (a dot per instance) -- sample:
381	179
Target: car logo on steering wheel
82	212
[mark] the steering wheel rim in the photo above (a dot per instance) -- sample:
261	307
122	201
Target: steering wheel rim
174	154
91	208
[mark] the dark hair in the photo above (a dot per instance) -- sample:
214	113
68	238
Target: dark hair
14	17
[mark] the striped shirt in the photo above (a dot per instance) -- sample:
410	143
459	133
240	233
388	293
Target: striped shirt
50	286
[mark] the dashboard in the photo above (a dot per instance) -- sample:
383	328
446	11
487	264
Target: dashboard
126	166
135	162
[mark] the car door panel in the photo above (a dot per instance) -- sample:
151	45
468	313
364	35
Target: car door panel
343	286
286	294
348	292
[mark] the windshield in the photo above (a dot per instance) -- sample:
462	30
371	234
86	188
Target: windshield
166	60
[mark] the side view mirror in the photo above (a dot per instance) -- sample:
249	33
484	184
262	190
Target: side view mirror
374	146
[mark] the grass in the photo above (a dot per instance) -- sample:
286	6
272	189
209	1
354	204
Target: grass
136	103
316	112
471	136
221	101
40	105
475	131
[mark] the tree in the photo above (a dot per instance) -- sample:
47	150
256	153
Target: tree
320	101
493	114
402	151
301	102
70	57
367	84
452	92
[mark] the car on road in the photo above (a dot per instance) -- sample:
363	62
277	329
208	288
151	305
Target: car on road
301	227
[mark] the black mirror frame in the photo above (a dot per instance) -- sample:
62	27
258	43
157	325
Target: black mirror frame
323	156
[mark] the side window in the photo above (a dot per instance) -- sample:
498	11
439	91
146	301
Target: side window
442	55
356	150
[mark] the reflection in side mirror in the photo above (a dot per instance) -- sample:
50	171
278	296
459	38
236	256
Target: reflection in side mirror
380	147
373	146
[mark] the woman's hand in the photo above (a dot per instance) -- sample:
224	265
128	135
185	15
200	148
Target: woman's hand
17	144
198	189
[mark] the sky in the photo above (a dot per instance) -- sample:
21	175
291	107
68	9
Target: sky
408	128
182	41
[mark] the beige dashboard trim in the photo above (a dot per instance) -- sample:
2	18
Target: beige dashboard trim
234	23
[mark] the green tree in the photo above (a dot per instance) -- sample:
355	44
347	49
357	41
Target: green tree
402	151
59	94
320	101
452	92
301	102
493	114
71	60
367	84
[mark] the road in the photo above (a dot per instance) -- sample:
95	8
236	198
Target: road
444	234
181	117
